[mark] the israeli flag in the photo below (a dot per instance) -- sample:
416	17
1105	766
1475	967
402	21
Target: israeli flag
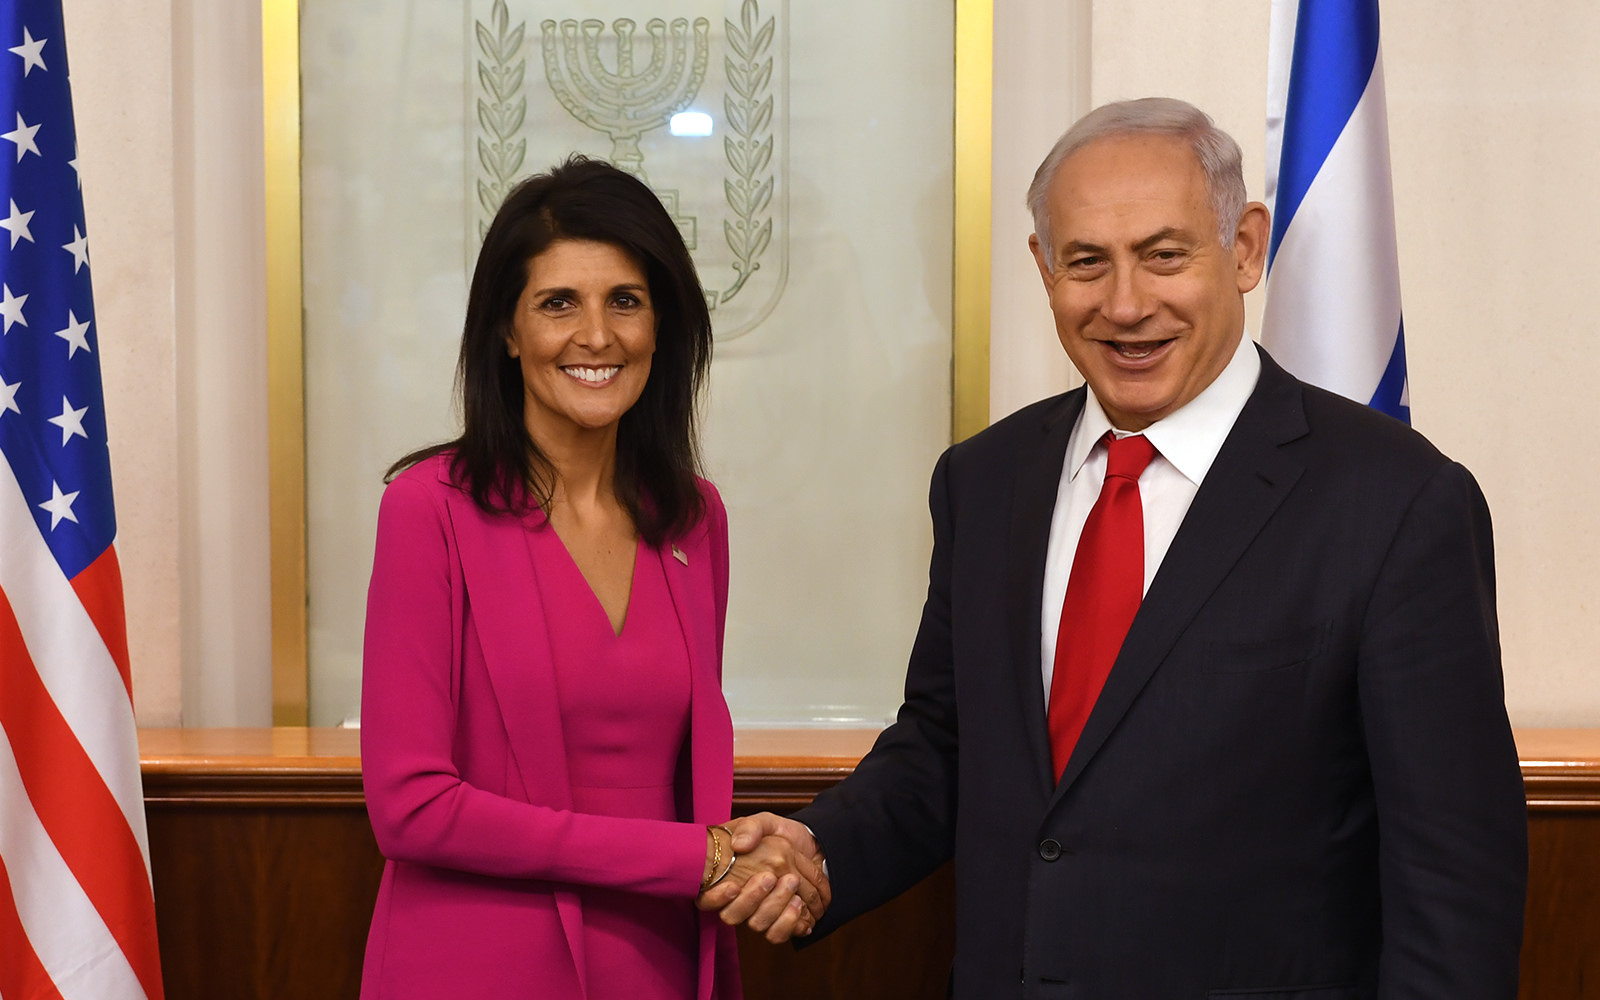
1333	277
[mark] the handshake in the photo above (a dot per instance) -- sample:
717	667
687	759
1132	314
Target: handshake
765	871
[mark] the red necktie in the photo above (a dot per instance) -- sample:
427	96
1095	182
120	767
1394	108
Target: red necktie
1103	595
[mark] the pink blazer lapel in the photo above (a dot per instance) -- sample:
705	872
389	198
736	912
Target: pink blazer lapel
689	579
503	595
689	567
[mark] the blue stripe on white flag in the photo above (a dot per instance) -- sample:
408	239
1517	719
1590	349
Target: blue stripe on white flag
1335	46
1333	294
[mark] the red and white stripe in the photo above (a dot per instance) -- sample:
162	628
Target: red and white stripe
77	917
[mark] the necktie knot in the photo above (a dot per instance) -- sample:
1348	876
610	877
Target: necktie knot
1127	457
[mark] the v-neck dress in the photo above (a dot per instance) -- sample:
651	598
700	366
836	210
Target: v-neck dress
625	720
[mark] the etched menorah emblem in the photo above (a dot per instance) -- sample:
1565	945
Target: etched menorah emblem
625	104
604	86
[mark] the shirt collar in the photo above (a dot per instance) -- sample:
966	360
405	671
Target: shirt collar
1190	436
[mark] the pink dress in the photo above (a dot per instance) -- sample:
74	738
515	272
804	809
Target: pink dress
625	711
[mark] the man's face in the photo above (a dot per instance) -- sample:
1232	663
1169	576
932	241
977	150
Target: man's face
1148	304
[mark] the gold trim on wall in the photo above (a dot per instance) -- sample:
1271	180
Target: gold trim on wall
974	138
280	43
280	32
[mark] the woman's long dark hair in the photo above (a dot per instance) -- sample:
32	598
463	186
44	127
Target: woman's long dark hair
658	455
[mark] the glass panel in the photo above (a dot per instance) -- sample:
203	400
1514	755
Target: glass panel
819	209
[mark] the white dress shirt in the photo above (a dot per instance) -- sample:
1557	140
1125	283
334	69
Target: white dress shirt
1186	440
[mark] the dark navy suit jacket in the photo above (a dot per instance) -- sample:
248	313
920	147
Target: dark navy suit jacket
1299	780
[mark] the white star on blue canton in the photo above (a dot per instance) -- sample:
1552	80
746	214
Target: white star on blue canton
17	225
29	50
79	248
22	135
70	422
8	397
11	309
59	506
76	335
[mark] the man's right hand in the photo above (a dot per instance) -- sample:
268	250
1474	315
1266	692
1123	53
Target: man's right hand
777	886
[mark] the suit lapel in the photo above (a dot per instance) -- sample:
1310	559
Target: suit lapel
688	571
503	593
710	727
1248	481
1039	465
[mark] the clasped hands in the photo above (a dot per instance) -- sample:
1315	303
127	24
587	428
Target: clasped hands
775	885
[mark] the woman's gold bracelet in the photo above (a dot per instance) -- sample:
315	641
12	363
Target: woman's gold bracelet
716	857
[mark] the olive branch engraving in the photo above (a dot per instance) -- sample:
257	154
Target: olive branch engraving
501	109
749	147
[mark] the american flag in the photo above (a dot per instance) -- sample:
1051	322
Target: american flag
76	914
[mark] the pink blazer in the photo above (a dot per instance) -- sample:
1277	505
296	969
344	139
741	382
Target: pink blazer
465	766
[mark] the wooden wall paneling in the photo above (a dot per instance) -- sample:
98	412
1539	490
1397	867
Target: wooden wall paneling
262	902
900	951
1561	941
1561	936
266	870
263	861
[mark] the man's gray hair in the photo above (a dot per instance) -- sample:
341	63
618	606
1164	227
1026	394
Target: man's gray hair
1219	156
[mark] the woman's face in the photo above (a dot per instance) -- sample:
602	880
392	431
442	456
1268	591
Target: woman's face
584	332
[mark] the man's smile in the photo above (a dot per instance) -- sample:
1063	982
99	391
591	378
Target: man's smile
1138	350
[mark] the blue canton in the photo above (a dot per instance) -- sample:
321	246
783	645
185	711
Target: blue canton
52	412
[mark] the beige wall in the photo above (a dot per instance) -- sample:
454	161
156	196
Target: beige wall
168	102
1031	108
1494	137
220	293
124	117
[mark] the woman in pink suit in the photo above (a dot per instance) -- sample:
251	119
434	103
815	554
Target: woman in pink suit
546	750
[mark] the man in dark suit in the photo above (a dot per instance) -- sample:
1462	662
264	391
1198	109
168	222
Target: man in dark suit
1280	766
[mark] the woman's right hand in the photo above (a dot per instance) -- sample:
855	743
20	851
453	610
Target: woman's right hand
774	888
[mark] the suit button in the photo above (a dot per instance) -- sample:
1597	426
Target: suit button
1049	849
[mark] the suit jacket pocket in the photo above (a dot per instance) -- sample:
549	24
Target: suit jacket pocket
1294	993
1276	653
